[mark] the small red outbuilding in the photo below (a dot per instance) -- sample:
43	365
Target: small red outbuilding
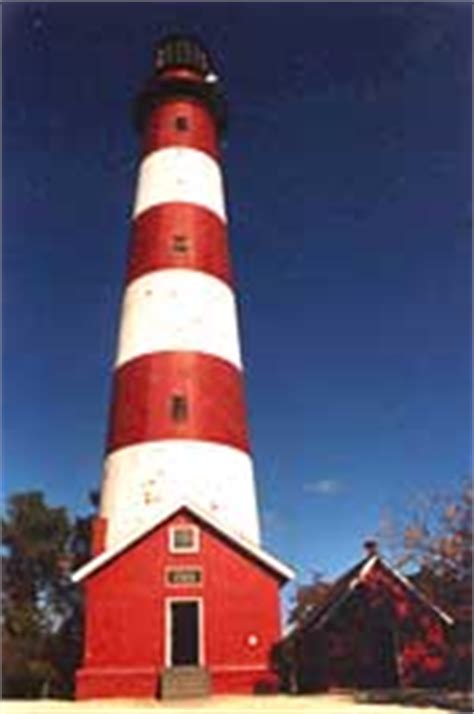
373	630
184	594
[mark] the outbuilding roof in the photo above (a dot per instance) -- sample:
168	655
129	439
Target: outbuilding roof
344	587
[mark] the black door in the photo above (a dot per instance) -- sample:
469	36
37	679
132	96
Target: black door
184	634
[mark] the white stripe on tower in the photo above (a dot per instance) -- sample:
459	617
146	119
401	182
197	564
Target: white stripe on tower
217	477
179	310
183	174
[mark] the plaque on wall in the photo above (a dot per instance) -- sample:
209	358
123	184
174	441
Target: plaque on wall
184	576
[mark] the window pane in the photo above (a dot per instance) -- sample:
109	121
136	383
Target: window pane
183	538
179	407
180	244
181	123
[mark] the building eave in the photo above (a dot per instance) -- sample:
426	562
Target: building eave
417	593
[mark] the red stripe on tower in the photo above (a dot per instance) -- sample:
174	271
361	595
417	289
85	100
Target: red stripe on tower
179	235
181	122
178	425
190	395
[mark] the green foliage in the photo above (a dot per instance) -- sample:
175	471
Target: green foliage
42	622
35	536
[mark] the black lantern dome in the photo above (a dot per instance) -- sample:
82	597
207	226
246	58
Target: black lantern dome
181	52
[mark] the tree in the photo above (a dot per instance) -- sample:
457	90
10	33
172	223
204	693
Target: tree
434	542
308	596
41	624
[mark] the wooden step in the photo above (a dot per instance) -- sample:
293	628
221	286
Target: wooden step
185	683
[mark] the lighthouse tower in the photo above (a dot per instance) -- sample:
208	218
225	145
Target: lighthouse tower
180	596
178	425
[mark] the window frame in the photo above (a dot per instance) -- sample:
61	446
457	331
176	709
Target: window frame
178	550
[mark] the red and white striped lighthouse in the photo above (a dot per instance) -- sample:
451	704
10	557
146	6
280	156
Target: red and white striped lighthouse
178	449
178	424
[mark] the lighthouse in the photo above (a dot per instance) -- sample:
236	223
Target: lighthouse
180	597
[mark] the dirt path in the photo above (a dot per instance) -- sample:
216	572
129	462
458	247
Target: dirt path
320	704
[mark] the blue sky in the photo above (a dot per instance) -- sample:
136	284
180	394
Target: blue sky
348	168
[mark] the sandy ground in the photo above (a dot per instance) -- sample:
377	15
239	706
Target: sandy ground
320	704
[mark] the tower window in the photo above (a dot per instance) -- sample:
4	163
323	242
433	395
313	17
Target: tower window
179	407
181	123
180	244
184	539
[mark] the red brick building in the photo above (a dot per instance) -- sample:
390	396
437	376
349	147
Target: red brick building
183	593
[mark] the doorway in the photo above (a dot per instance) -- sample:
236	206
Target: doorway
184	633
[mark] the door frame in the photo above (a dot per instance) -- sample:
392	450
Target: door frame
169	627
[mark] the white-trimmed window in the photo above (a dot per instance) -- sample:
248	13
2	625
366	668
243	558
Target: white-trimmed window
184	539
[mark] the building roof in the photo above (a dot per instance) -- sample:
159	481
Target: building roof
252	549
343	588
